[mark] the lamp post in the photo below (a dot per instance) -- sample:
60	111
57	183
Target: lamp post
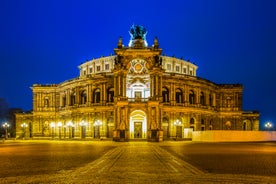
268	125
97	124
24	126
176	124
83	125
6	126
59	124
52	125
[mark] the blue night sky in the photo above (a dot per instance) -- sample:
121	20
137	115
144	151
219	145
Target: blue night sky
232	41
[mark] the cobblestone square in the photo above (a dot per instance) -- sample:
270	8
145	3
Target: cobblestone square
136	162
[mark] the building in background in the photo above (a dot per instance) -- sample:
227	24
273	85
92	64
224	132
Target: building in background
138	93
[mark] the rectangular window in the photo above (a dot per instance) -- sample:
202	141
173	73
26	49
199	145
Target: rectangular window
177	68
168	66
185	70
191	72
98	68
90	70
106	66
84	72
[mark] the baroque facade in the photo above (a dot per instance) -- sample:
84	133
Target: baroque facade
138	93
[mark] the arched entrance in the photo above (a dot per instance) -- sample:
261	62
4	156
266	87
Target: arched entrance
138	125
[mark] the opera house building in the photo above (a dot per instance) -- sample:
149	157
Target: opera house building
137	93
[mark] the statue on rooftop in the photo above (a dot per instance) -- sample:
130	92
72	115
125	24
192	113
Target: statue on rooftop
137	37
137	32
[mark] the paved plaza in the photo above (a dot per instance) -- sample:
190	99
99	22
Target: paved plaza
136	162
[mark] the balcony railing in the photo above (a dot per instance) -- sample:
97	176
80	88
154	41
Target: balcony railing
137	99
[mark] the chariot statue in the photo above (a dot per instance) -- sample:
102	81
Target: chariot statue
137	36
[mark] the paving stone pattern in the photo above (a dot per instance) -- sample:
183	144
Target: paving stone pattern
138	162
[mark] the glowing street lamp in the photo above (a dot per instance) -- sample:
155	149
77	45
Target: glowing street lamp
6	126
268	125
24	126
176	124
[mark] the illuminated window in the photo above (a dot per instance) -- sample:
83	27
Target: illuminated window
178	96
202	98
96	96
106	66
177	68
244	126
192	97
169	67
72	99
63	101
110	95
210	100
185	70
192	123
165	94
191	71
83	97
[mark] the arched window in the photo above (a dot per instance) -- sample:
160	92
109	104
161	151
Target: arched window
165	94
210	100
72	99
46	102
202	125
211	125
97	95
192	97
110	95
192	123
83	97
63	101
244	126
202	98
179	96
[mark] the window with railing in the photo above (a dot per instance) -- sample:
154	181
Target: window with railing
72	99
165	94
97	95
179	96
83	97
192	97
110	95
202	98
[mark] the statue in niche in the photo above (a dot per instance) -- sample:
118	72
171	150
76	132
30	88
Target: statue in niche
153	124
157	60
118	60
122	123
45	129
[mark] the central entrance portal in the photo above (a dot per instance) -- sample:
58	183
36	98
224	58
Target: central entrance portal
138	125
137	130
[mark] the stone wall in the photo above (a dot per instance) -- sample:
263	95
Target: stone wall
232	136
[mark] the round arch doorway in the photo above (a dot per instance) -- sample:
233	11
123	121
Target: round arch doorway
138	125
